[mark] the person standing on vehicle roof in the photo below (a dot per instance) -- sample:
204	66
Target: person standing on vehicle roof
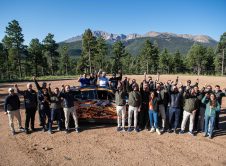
84	81
113	81
93	79
103	80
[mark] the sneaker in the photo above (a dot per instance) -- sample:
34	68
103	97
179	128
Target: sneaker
181	132
158	132
210	137
66	131
13	132
129	129
175	131
163	129
44	129
50	132
152	130
76	130
137	130
191	133
123	129
118	129
170	130
59	129
21	129
33	129
205	135
26	131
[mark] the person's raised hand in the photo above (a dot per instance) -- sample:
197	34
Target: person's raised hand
16	86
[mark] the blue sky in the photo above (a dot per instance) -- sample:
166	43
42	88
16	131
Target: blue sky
68	18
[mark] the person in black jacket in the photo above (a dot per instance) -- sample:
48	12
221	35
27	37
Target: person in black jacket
12	108
56	107
113	81
68	106
30	104
174	110
219	94
40	88
44	100
143	115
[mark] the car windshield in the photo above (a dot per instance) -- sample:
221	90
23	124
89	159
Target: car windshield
91	94
104	95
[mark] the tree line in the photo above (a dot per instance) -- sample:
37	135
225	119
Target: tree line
43	58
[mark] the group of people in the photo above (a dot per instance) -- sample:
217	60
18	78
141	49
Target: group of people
156	105
51	105
168	105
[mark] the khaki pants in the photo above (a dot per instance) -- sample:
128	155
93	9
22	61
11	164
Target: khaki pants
132	110
67	112
11	115
121	112
186	115
162	114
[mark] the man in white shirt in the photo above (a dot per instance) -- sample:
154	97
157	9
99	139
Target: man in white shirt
103	80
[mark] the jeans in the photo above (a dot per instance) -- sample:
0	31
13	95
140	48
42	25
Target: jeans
44	113
56	115
30	117
174	112
153	116
209	124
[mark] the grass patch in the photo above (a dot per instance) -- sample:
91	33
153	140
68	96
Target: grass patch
42	78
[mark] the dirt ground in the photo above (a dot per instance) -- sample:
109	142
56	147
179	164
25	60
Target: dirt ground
100	144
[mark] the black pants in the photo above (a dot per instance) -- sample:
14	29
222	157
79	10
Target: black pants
143	117
201	119
46	113
30	117
217	120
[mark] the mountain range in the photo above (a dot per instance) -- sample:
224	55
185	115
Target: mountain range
134	42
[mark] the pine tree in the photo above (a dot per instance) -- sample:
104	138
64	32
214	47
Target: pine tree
88	49
35	51
118	53
101	52
197	58
13	41
221	51
50	49
165	61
